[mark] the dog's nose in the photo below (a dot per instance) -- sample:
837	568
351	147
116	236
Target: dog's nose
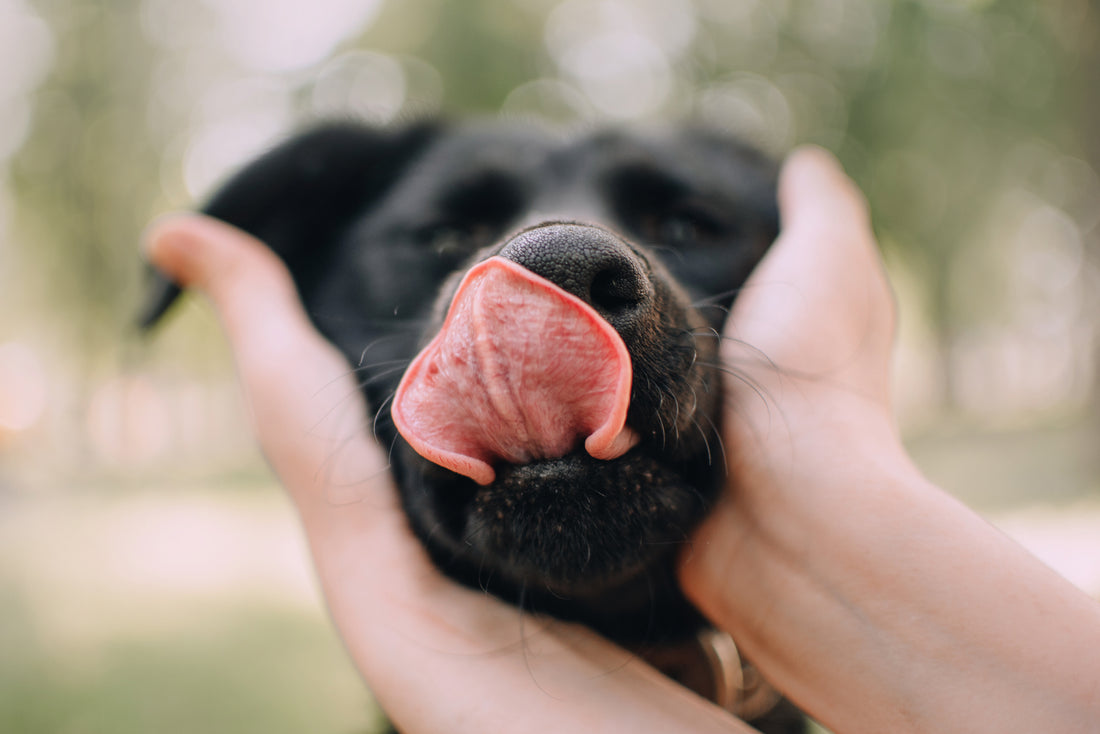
589	262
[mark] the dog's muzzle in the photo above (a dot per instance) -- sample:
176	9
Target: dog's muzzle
530	363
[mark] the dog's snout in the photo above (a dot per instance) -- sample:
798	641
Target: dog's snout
589	262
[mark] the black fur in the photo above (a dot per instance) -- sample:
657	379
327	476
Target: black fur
376	227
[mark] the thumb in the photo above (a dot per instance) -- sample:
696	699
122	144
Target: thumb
305	406
247	283
818	304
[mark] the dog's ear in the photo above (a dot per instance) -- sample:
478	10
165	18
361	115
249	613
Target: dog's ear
300	197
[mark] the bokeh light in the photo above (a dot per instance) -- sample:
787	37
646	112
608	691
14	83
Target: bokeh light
28	52
283	35
137	514
24	388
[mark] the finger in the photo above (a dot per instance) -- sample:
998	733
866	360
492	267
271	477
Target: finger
450	643
235	270
818	303
817	196
308	415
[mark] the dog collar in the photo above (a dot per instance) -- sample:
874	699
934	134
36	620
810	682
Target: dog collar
711	665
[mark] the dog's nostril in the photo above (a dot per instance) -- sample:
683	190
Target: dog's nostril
616	290
589	262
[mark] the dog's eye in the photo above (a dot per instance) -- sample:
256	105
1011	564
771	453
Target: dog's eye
679	229
683	227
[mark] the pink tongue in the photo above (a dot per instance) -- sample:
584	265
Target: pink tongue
521	370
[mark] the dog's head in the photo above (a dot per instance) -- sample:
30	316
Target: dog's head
564	295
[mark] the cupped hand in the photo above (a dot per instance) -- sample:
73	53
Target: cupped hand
439	657
807	411
870	597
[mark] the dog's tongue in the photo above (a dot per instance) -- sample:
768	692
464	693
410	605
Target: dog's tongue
521	370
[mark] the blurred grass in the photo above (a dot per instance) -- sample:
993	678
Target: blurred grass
1052	462
190	607
247	668
202	620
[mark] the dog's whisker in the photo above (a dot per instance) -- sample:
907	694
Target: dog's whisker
553	592
375	342
739	375
378	415
752	384
382	363
326	418
381	375
342	401
662	391
720	308
666	250
706	443
338	498
721	444
676	416
759	353
707	331
336	493
521	608
389	322
351	372
712	301
660	418
483	581
389	453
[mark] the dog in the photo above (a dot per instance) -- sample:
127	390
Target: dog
535	316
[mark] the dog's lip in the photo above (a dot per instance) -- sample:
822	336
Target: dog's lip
600	446
427	385
485	473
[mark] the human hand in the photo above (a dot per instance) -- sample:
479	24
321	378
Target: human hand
439	657
868	596
817	559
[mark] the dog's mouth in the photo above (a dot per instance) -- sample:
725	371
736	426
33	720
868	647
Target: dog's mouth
565	390
522	370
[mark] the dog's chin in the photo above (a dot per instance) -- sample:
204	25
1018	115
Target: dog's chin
578	526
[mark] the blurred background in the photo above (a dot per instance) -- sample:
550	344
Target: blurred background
152	577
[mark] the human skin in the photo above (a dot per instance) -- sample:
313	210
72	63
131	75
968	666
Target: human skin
438	657
873	599
867	595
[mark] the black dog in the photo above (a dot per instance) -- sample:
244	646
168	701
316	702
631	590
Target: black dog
580	514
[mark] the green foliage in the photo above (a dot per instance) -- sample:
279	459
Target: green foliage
88	173
932	105
240	670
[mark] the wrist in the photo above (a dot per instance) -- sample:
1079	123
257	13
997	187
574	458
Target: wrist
877	602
